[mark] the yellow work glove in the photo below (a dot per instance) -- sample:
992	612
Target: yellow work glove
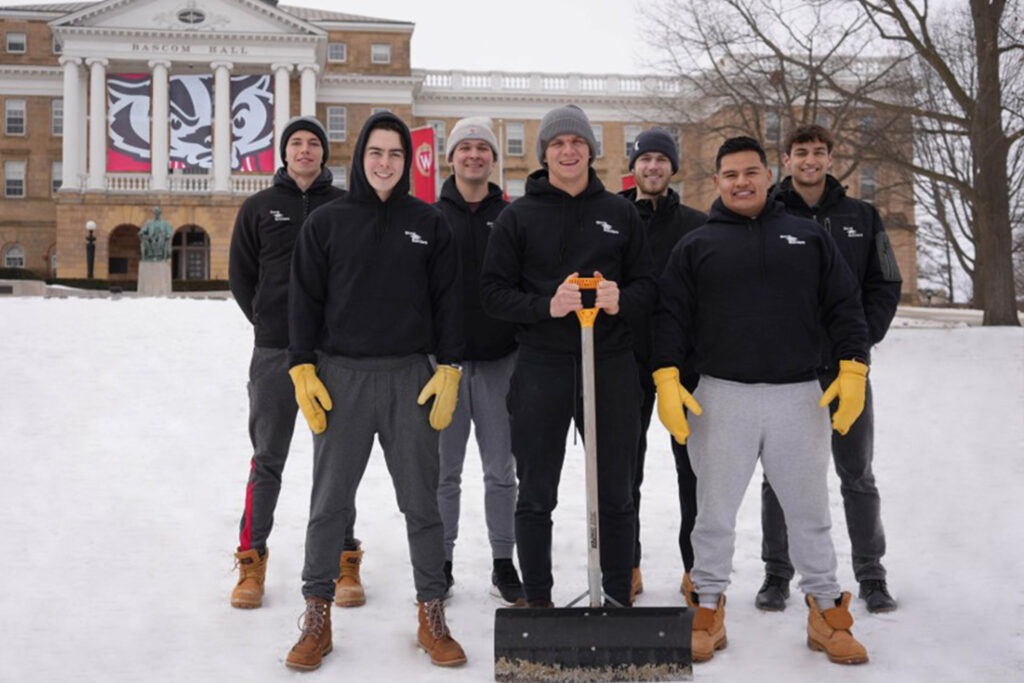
312	396
848	387
444	387
672	396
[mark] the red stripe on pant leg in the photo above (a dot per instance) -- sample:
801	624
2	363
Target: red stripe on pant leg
245	538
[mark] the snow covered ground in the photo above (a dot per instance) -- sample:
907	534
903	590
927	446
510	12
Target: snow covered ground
124	453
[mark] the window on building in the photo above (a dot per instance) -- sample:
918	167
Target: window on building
340	174
515	188
14	117
190	254
772	128
630	133
14	256
440	133
337	52
515	139
380	53
337	124
57	116
14	178
599	138
56	175
17	43
868	183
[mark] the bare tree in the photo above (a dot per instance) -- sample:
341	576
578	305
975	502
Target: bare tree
950	100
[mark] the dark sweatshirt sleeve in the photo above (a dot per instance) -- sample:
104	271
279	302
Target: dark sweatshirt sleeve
243	259
446	295
841	308
307	292
677	308
638	291
880	290
500	291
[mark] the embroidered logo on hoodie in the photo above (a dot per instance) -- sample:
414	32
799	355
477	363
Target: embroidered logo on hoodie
792	240
851	231
415	238
607	227
278	216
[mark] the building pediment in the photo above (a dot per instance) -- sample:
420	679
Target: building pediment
205	18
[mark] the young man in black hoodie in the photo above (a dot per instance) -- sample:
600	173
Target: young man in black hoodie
374	288
653	160
471	203
258	270
567	225
811	192
743	298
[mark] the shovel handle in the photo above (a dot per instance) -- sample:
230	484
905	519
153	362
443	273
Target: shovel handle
587	316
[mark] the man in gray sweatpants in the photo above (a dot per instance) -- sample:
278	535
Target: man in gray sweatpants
471	204
743	297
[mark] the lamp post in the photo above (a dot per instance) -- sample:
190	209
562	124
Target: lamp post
90	247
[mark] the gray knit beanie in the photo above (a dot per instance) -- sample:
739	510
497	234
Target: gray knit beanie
472	128
308	123
655	140
568	119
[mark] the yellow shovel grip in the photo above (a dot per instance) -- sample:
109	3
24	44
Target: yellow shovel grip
587	316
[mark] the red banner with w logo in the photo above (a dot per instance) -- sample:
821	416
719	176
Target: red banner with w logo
424	164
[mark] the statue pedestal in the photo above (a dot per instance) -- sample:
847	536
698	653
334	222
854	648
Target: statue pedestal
154	278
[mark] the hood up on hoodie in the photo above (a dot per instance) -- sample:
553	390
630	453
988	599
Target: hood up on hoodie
359	186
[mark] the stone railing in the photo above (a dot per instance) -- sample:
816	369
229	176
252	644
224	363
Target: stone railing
586	84
183	183
189	183
249	183
127	182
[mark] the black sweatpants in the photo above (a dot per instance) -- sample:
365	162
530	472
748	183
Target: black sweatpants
545	395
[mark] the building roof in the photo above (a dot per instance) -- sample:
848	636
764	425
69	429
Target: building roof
58	7
304	13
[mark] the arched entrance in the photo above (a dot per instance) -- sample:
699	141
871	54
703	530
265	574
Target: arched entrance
123	252
190	254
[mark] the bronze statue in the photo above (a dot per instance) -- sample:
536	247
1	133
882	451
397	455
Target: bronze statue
155	238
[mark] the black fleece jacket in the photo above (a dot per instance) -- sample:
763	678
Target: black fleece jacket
372	278
261	251
666	223
750	296
545	236
857	230
487	338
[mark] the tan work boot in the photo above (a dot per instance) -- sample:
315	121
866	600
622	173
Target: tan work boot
708	631
686	588
637	587
315	640
252	569
348	591
435	638
828	631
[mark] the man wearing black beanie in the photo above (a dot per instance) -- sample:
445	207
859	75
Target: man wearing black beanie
653	160
258	270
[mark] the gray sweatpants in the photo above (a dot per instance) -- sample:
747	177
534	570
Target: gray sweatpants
783	425
374	396
482	395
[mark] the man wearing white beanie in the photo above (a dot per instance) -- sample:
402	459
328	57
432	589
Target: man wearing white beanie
471	203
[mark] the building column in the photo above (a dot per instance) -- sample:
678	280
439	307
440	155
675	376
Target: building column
307	89
222	126
97	124
158	138
71	163
282	106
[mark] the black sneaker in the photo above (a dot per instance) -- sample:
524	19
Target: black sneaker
506	582
876	594
773	594
449	580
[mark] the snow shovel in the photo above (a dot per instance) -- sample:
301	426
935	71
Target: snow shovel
594	643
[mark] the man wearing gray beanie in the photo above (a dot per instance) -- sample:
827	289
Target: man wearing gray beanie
565	226
258	274
653	160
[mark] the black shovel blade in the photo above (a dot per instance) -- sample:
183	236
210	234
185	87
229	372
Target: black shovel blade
572	644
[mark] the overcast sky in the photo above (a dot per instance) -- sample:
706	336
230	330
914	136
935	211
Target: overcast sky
589	36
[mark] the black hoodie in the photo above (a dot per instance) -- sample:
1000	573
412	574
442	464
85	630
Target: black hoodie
545	236
487	338
376	278
261	251
750	296
857	230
